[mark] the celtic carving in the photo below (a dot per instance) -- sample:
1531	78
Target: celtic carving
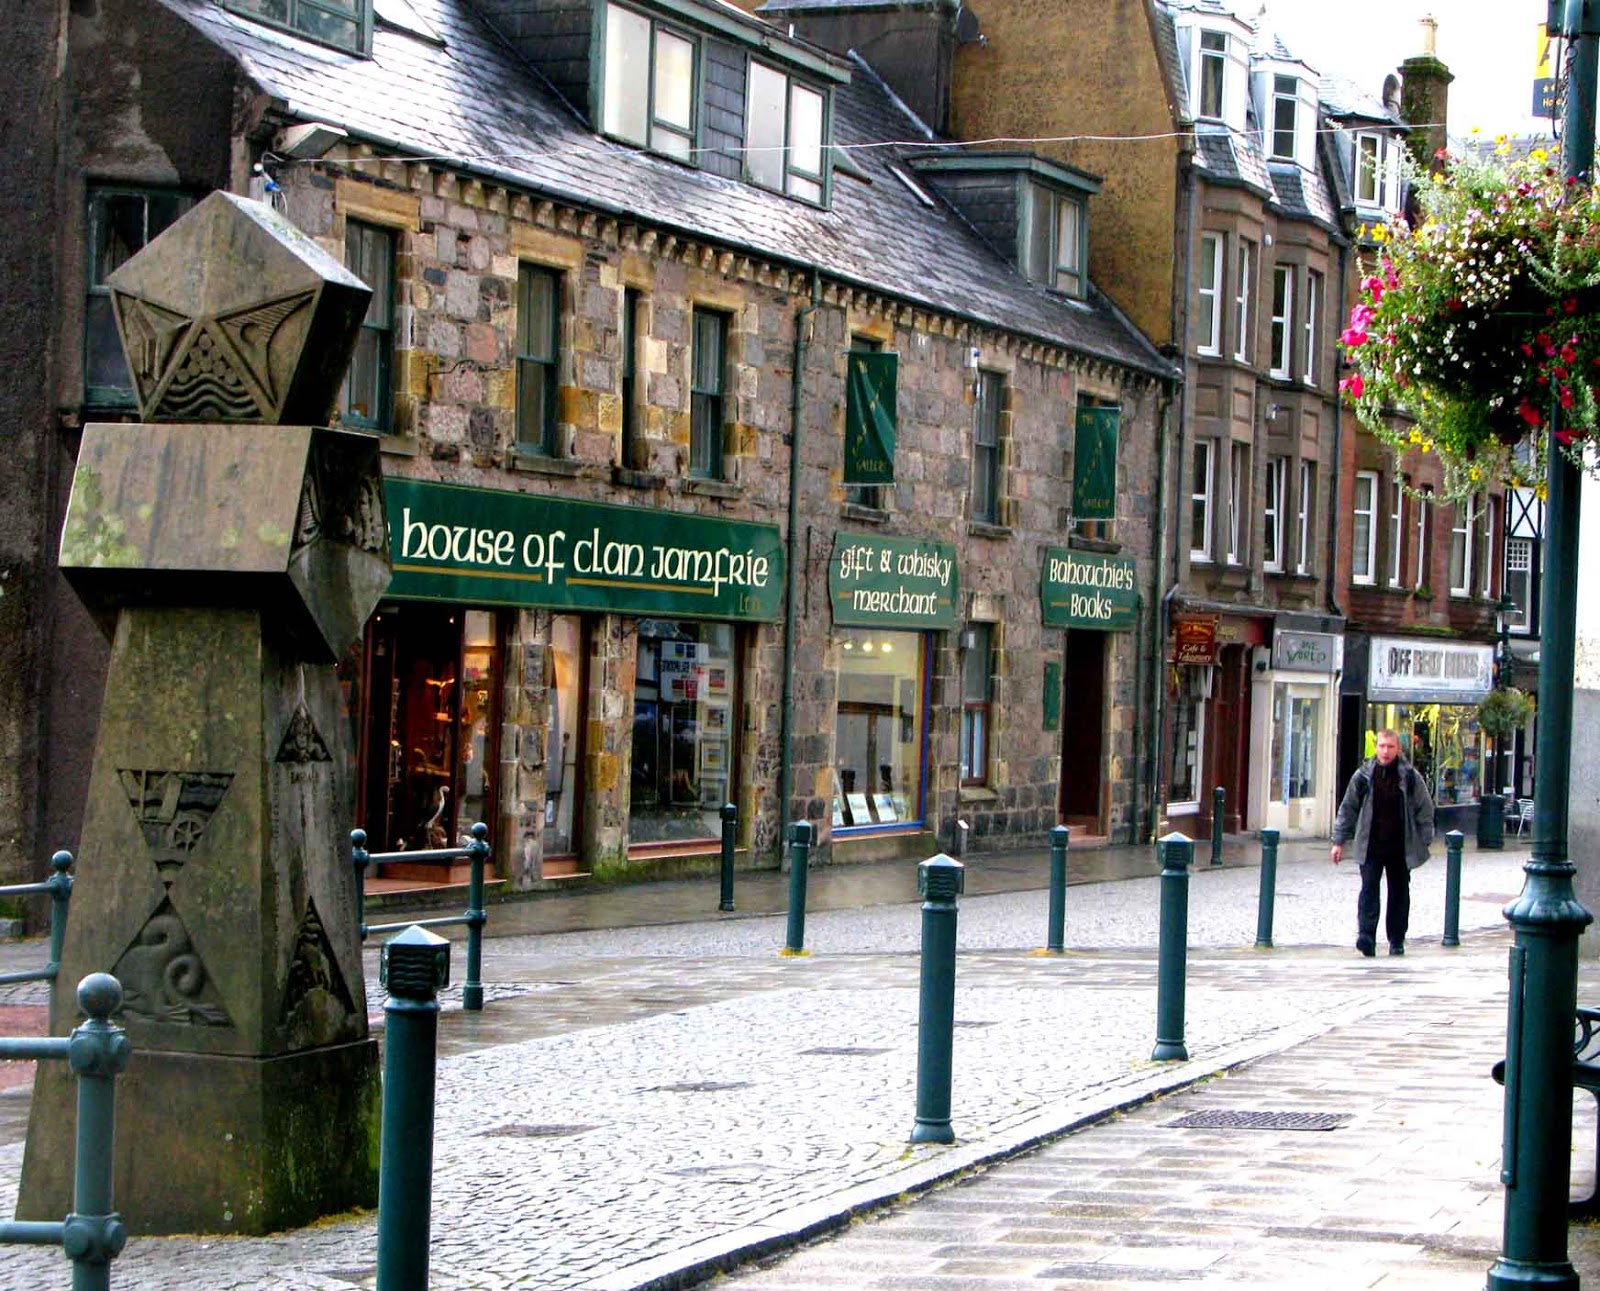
316	1000
364	526
173	809
163	977
302	742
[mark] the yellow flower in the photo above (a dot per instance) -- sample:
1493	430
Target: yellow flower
1476	473
1540	490
1379	233
1476	130
1539	156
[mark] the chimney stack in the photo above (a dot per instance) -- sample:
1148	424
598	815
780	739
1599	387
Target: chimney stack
1425	98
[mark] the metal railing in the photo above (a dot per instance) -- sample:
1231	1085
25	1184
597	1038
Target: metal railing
97	1050
477	854
59	886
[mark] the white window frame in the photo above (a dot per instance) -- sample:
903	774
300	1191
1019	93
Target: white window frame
1274	505
787	176
1462	541
1519	568
1377	183
1241	303
1306	506
1210	296
1204	53
1238	484
1424	511
1313	304
1397	527
1202	493
1274	130
1282	329
1363	561
1486	545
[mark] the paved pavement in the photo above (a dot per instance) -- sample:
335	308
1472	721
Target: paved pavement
640	1106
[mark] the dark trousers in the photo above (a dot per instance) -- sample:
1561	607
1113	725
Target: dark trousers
1398	914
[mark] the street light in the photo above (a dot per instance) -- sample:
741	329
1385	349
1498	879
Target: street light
1504	608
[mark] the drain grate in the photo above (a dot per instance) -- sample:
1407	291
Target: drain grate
1218	1120
697	1087
534	1131
841	1051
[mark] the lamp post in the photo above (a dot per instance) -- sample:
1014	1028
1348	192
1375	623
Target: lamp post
1504	608
1547	916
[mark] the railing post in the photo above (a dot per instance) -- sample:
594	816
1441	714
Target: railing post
799	858
730	818
1452	888
1269	888
60	885
1060	837
1218	800
477	916
940	881
1177	853
358	857
93	1235
414	967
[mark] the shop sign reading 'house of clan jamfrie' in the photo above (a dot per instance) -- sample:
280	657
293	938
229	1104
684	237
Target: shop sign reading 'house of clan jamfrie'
1082	589
492	547
892	582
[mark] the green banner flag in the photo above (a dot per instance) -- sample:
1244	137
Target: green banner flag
869	417
1094	464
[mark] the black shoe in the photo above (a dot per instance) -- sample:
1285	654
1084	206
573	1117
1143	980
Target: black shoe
1397	948
1367	948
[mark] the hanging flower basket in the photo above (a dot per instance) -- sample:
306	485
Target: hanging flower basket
1482	320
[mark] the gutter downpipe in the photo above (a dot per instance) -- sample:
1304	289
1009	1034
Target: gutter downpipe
1338	456
791	591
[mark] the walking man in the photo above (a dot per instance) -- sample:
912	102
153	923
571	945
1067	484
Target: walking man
1388	812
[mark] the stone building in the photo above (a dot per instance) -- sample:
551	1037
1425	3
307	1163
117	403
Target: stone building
725	461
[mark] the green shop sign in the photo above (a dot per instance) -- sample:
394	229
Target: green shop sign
869	417
490	547
1094	464
1080	589
892	582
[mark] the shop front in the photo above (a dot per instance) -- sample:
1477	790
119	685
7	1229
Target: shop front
570	672
1212	706
1428	692
1296	703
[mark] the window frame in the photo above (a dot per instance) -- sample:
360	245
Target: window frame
1306	515
977	712
547	443
708	406
361	21
1462	545
1241	301
1274	129
792	175
628	342
986	473
1309	325
1203	499
1044	264
1219	57
1521	570
1397	528
1238	487
383	423
1211	344
1424	510
689	156
1369	578
1282	357
1273	506
1485	537
1384	171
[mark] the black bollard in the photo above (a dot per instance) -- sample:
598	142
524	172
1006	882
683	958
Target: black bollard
1269	888
1218	799
1452	888
799	858
1059	837
1177	853
940	881
730	818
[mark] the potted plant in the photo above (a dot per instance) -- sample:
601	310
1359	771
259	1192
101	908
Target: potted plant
1479	319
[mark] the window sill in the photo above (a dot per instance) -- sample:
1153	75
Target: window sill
984	529
1078	542
712	488
537	464
632	479
869	515
977	793
397	445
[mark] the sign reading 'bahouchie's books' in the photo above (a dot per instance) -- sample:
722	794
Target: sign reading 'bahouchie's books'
892	582
1083	589
492	547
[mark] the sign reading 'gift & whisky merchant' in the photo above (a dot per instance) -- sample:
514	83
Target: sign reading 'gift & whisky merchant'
892	582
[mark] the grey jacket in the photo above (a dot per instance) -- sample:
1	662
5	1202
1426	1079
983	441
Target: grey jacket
1355	813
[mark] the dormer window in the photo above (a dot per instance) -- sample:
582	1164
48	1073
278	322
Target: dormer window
1285	102
343	24
1213	72
1377	171
785	129
1055	248
650	77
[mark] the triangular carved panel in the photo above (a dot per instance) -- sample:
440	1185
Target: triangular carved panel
317	1006
163	977
173	809
302	742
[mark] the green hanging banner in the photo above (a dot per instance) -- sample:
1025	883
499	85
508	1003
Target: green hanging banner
1094	464
869	417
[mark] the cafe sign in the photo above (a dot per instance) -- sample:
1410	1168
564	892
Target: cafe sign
892	582
1433	672
493	547
1081	589
1194	640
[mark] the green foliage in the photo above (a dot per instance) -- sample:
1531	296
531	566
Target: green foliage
1505	712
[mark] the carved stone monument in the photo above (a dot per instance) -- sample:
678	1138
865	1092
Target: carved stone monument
231	547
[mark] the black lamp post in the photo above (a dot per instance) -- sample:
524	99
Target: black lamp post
1504	608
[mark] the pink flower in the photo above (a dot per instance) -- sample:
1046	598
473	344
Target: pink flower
1566	396
1350	338
1362	315
1530	414
1373	286
1352	385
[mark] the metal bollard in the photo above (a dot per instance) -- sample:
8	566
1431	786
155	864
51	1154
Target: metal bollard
477	916
1177	854
1452	888
1269	888
1060	837
940	880
60	885
799	858
1218	798
414	968
358	858
97	1052
730	818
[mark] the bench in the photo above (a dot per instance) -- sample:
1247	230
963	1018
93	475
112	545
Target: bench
1585	1075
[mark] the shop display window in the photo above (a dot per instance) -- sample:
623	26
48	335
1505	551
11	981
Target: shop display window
1295	722
564	688
1443	741
684	704
1188	729
879	734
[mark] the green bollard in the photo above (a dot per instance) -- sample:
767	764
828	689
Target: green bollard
60	885
477	916
1218	797
414	968
1452	888
1177	854
730	817
799	858
1059	839
940	880
358	858
93	1234
1269	888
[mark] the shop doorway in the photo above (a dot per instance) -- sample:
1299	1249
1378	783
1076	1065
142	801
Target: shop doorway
1296	788
430	735
1083	694
1231	722
566	686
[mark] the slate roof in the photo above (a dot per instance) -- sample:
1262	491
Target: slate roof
472	104
1343	99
